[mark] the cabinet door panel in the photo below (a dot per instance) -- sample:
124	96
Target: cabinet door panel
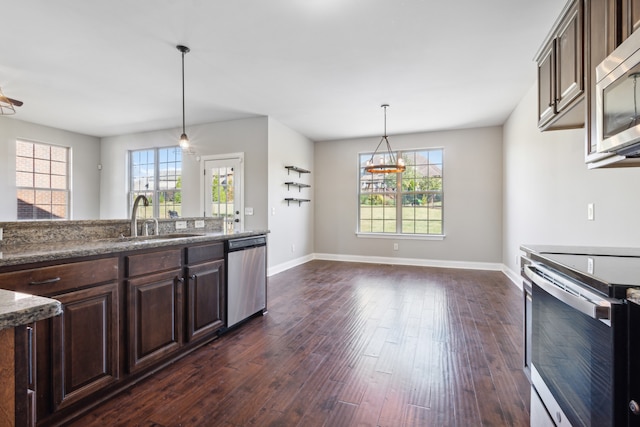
205	308
85	343
154	317
569	49
630	17
546	83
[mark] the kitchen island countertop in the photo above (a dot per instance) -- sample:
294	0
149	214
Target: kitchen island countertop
51	251
17	309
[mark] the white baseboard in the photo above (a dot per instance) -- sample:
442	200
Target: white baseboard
411	261
513	276
289	264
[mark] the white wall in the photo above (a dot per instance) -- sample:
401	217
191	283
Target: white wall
472	195
234	136
291	236
547	187
85	177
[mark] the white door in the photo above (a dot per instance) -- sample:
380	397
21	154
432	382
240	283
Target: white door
223	176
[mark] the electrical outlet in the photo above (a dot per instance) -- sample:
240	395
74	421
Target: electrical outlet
590	265
248	211
395	246
273	211
293	247
0	233
199	223
590	212
181	225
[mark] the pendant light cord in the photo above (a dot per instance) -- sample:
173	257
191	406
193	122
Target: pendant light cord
183	126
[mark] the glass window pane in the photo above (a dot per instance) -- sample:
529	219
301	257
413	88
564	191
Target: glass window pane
42	152
420	193
24	179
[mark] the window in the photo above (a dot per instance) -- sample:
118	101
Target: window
157	174
42	181
408	203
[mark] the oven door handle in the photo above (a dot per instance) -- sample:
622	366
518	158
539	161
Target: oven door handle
596	311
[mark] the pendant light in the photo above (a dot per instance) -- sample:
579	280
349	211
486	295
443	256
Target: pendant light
184	139
393	165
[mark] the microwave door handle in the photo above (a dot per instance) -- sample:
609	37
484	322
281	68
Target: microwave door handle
595	311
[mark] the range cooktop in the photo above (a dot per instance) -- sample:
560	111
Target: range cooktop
609	271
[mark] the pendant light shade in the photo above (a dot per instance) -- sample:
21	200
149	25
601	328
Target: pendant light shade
391	164
184	139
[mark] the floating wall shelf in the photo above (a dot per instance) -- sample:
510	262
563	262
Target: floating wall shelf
296	169
300	185
300	201
297	184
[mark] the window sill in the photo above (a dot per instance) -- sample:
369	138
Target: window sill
401	236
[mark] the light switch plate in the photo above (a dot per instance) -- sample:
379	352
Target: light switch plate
590	212
181	225
248	211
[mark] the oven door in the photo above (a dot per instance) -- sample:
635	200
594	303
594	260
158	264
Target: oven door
578	351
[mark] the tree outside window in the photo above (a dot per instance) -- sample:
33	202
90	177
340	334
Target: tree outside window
157	174
410	202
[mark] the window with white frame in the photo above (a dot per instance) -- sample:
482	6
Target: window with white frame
157	174
409	202
42	181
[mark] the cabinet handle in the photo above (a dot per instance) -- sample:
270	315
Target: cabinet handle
46	282
193	277
180	279
30	355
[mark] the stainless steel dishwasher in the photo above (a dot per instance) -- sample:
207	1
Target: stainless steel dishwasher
246	278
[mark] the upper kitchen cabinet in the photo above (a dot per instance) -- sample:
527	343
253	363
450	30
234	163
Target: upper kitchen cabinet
560	72
601	38
629	18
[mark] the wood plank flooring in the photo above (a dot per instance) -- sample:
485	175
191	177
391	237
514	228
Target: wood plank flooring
348	344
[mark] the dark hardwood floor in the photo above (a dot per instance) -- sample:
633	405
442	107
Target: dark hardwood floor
347	344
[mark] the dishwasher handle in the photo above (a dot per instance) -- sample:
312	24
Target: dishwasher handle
246	243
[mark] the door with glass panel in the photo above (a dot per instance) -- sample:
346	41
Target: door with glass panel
223	191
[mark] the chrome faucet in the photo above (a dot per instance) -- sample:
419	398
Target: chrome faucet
134	213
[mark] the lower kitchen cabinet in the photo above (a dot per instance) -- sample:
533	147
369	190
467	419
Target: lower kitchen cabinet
205	304
84	344
154	317
123	316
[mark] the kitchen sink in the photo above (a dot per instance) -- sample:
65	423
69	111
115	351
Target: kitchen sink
155	237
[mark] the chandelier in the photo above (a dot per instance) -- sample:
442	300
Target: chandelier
393	165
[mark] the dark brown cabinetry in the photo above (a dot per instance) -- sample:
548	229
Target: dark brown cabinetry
205	313
124	316
74	355
205	278
629	18
600	39
560	73
154	301
84	343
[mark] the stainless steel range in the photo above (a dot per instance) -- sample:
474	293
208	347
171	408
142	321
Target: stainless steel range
578	332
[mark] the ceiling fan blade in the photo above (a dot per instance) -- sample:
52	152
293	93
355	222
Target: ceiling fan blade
15	102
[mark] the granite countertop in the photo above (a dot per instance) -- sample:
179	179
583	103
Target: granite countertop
18	309
39	252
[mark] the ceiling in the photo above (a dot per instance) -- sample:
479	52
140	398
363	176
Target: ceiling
320	67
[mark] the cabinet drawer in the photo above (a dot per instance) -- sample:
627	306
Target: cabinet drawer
59	278
205	253
153	262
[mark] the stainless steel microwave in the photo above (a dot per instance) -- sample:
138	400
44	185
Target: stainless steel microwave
618	100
